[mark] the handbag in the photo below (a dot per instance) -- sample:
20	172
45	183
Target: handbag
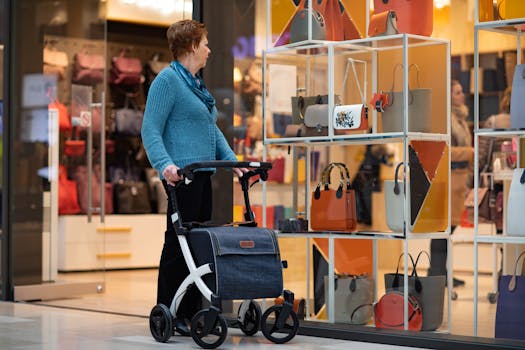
299	25
55	62
486	201
428	290
413	16
310	116
515	203
131	197
383	23
81	177
67	194
353	298
128	120
419	108
395	202
74	147
511	9
88	68
389	312
125	71
510	310
350	118
334	210
517	103
486	10
64	121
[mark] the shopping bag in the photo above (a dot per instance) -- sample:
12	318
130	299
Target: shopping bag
429	291
419	107
510	310
517	102
515	204
334	210
413	16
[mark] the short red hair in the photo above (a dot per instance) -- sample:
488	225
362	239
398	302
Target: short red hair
184	35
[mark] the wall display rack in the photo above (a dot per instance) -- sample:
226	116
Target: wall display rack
512	245
407	67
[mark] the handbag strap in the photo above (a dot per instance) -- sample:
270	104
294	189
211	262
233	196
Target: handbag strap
396	181
351	62
343	171
418	286
512	282
400	65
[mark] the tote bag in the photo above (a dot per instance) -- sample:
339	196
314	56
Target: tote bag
510	311
429	291
515	204
517	102
419	107
334	210
395	202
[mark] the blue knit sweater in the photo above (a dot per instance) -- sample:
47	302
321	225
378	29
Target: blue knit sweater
178	128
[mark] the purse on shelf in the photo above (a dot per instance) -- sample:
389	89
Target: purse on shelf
394	202
309	115
64	121
517	102
55	62
74	146
354	296
334	210
428	290
383	23
413	16
510	310
486	201
419	107
67	194
515	203
125	71
299	25
348	119
389	311
508	9
88	68
128	120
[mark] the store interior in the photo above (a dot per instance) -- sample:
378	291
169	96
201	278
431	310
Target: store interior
112	259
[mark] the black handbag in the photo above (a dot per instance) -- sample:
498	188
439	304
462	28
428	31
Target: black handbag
131	197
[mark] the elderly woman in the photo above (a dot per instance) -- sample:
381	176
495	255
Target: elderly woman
180	128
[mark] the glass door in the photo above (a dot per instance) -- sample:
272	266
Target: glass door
57	160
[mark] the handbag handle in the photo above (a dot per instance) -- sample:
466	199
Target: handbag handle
418	285
351	62
396	181
325	177
512	282
301	107
399	65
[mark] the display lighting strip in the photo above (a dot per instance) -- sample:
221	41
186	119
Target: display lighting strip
164	7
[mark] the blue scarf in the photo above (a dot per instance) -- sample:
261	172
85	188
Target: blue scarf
196	84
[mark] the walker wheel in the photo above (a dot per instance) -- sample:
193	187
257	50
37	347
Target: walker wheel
252	319
215	337
493	297
272	332
160	323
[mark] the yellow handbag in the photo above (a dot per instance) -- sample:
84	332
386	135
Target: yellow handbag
508	9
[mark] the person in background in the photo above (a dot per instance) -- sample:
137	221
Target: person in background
179	128
462	157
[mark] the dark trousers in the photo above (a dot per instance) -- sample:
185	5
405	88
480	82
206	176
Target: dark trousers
438	256
194	202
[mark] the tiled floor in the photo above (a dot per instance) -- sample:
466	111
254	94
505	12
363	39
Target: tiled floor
30	327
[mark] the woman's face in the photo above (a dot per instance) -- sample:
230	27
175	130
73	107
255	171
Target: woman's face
202	52
458	97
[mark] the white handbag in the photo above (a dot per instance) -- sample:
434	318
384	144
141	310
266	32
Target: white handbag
516	203
395	202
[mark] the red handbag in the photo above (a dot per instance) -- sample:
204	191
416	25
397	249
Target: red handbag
388	311
67	194
64	122
88	69
413	16
125	71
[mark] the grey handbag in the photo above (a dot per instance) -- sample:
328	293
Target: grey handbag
128	120
429	290
517	103
299	26
354	296
419	108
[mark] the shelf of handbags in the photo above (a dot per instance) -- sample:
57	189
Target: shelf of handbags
378	90
132	187
505	18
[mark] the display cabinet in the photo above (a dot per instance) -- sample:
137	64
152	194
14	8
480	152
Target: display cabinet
317	83
489	24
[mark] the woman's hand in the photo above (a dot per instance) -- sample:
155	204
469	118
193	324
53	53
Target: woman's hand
170	174
240	171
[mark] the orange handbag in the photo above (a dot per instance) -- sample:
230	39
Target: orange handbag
413	16
334	210
383	23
